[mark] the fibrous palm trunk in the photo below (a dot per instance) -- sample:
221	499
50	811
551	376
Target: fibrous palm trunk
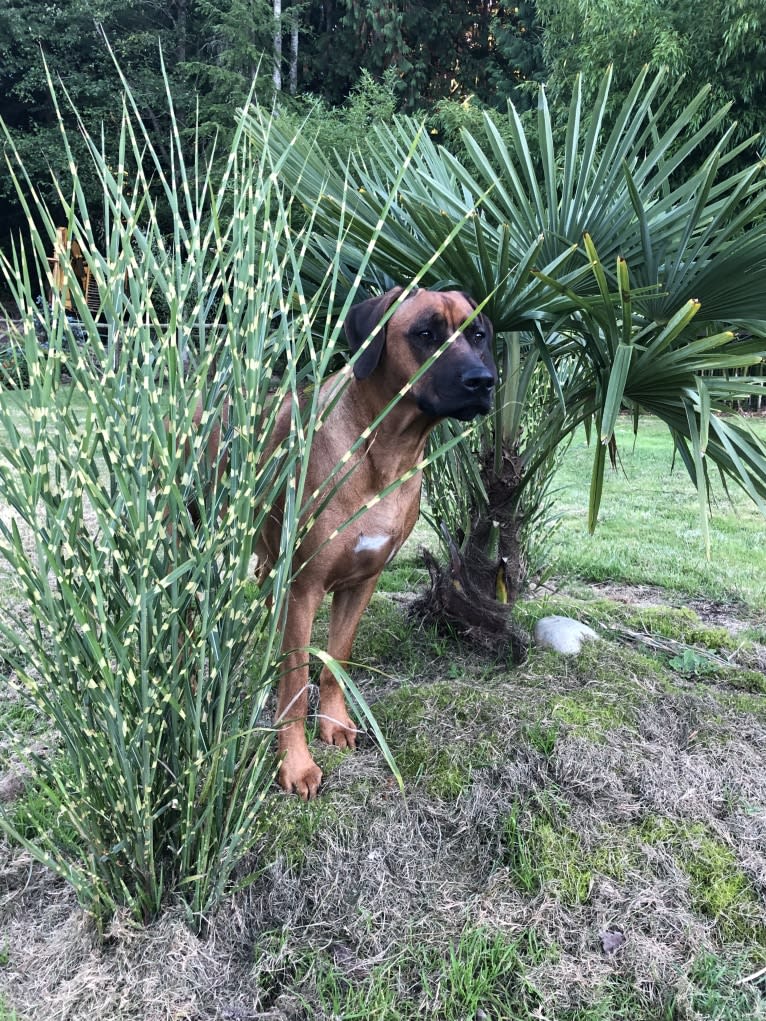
474	592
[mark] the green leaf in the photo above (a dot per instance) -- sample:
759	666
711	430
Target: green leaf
596	485
615	391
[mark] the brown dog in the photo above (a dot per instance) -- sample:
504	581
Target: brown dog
458	384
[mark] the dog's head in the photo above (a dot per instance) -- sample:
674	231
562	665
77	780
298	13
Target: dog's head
460	382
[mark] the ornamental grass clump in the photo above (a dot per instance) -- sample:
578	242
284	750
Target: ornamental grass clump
131	501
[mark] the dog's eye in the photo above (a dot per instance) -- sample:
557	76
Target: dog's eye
478	336
426	335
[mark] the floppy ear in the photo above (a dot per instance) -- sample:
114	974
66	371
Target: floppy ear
359	323
483	321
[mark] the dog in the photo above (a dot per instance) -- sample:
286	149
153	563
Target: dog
458	384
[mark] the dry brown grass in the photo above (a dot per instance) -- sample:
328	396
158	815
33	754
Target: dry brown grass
366	881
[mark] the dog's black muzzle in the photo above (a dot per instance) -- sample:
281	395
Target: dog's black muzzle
464	397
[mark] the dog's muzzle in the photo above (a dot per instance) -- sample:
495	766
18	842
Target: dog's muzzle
464	398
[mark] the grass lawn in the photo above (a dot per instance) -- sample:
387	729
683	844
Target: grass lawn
649	525
579	839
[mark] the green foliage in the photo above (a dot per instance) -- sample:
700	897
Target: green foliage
717	992
228	53
482	972
518	40
692	663
543	853
628	224
434	49
71	37
717	44
215	51
14	371
139	493
138	623
347	128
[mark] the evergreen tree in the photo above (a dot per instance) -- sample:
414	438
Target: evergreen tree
720	44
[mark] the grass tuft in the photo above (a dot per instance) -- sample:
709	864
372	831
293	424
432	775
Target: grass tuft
137	474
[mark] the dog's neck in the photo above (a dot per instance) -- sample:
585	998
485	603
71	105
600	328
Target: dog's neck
402	434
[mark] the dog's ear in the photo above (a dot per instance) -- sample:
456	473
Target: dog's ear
483	321
359	324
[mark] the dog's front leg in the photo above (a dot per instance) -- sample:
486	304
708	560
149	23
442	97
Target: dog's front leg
298	772
348	605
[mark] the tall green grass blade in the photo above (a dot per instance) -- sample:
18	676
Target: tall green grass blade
701	477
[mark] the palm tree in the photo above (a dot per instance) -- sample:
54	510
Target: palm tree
623	268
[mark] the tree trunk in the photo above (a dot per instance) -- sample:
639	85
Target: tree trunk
294	55
278	45
181	30
475	592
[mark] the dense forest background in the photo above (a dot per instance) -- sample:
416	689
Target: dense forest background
441	59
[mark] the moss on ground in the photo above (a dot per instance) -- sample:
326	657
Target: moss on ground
680	624
718	886
543	851
562	865
605	687
739	702
291	825
603	663
455	713
438	733
746	680
590	714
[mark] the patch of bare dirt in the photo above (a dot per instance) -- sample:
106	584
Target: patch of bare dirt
717	614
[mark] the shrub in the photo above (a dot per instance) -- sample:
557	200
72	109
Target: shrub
140	632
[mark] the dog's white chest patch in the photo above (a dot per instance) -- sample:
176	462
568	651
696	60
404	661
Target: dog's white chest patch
371	543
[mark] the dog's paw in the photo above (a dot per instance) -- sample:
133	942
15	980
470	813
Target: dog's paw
337	730
299	773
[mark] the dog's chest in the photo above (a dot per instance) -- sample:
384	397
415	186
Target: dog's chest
365	546
376	549
363	556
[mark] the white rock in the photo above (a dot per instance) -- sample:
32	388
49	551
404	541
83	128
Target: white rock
563	634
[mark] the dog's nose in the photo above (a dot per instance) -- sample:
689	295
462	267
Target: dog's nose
477	378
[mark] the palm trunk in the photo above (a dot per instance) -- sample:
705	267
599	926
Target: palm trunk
475	592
